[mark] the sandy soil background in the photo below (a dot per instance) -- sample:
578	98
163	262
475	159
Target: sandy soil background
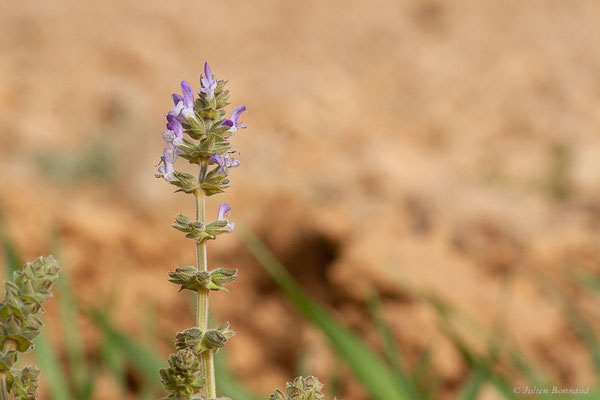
452	147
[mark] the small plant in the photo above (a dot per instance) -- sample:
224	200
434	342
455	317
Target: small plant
20	324
199	132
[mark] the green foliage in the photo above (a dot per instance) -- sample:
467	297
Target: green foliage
20	324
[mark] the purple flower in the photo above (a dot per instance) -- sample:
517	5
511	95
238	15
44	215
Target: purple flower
224	209
166	169
174	133
225	162
209	84
183	109
233	123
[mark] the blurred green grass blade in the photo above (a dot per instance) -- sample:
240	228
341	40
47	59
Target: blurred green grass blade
79	373
147	394
12	260
535	377
470	389
227	384
333	385
386	337
391	351
586	280
582	328
149	323
87	390
52	371
366	366
515	357
478	362
73	342
114	360
144	359
593	394
424	378
110	355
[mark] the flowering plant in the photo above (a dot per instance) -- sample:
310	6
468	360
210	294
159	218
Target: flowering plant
20	324
199	132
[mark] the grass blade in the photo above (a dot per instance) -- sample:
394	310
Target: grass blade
479	363
143	358
424	377
391	351
472	386
366	366
73	342
576	320
228	385
52	370
12	260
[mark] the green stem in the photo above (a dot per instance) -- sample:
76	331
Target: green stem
3	388
208	364
8	345
201	265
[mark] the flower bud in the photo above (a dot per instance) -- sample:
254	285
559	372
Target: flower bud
186	360
222	276
213	339
188	339
308	388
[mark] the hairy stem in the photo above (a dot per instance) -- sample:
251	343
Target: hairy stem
203	305
3	388
8	345
201	265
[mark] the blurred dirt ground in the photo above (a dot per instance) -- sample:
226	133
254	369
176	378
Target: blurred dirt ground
453	147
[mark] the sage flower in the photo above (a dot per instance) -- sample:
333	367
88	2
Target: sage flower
167	160
225	162
209	84
224	209
174	133
233	122
183	109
